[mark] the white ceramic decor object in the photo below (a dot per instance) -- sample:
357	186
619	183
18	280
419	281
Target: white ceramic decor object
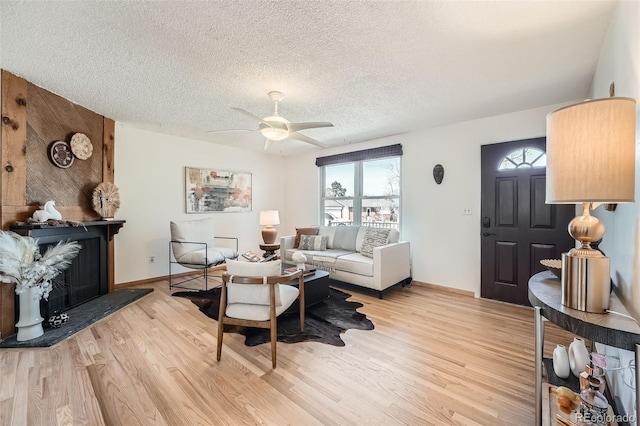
300	260
48	212
298	257
561	362
578	356
30	323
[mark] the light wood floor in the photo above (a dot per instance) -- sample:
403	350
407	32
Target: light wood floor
434	358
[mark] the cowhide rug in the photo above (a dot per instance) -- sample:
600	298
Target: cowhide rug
324	322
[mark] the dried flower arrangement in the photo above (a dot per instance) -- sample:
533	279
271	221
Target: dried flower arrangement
22	263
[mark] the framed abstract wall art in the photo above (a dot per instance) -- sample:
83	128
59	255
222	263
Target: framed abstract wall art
213	190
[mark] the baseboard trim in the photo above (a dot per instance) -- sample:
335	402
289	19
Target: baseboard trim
444	289
166	277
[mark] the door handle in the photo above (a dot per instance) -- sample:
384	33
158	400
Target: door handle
486	234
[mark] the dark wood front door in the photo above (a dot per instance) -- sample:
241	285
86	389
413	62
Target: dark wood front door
518	228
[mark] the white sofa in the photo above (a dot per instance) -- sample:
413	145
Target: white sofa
343	258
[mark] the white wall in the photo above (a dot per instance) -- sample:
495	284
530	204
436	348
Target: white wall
619	62
150	176
445	245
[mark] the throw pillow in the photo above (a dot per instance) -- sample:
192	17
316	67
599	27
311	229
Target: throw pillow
345	238
373	238
313	242
252	293
304	231
253	269
198	230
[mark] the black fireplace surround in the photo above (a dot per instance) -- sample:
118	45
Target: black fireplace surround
87	276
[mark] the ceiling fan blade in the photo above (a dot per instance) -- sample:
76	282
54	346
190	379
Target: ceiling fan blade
255	117
231	130
307	139
294	127
267	143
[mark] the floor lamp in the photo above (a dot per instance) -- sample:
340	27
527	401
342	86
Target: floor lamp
590	161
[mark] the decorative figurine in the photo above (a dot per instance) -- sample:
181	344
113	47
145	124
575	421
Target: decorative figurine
57	319
49	212
300	260
438	173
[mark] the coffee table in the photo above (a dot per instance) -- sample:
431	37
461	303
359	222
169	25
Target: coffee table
316	290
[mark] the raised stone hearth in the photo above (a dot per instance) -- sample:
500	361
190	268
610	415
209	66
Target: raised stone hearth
80	317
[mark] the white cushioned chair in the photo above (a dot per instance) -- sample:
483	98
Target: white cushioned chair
193	246
252	296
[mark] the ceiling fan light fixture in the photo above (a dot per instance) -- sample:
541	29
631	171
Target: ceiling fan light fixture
274	134
278	129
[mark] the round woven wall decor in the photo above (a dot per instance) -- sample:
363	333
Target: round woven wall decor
81	146
106	200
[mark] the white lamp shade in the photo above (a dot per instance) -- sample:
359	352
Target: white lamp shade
591	152
269	217
276	131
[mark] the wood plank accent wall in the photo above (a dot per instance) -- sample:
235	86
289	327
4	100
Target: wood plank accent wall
14	141
51	118
108	171
32	118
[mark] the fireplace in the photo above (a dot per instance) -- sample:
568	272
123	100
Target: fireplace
88	275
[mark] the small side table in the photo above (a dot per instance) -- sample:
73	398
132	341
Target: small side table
270	250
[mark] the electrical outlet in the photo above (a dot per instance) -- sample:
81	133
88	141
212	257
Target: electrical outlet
466	212
152	259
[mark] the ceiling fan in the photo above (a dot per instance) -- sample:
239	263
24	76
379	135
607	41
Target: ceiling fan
275	127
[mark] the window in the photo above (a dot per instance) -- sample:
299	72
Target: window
361	192
523	158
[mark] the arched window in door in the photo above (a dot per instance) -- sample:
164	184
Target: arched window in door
523	158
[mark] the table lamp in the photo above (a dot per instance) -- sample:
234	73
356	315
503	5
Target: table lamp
268	218
590	161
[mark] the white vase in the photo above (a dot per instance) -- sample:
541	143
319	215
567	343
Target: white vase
30	323
578	356
561	362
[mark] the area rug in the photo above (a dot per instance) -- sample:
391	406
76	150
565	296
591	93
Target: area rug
324	322
80	317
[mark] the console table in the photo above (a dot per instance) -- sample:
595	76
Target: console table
609	329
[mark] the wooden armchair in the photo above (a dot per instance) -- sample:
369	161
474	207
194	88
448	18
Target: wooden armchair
253	296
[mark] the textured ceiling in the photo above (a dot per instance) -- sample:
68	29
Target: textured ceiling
372	68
